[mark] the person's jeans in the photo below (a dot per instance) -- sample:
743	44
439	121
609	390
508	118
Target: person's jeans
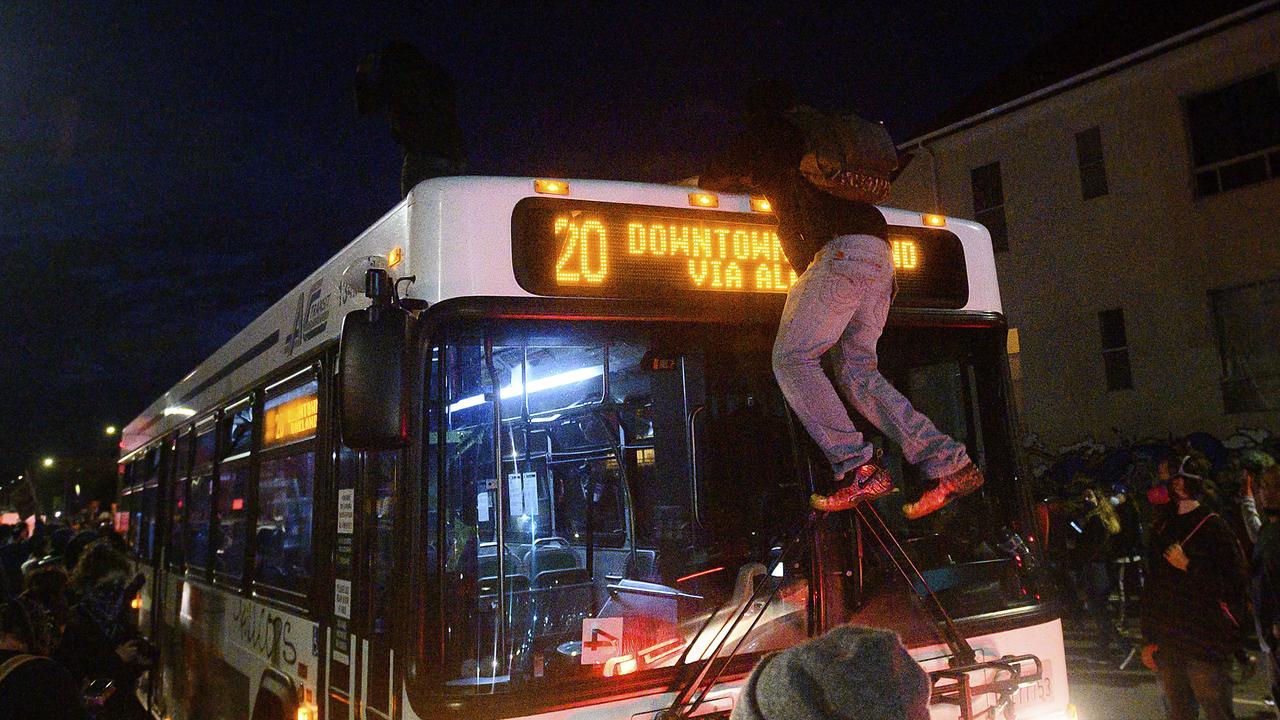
1190	683
1096	584
840	303
1271	656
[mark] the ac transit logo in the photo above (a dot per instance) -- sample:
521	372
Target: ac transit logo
310	317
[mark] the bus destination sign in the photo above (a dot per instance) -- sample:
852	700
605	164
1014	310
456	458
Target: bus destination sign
583	248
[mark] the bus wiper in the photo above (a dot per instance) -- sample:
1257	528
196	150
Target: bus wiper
684	703
962	653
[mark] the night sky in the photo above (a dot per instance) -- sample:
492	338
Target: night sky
169	171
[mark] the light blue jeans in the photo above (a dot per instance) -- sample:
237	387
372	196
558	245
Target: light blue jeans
840	303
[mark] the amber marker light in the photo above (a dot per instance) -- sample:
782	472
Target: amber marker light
551	187
704	200
934	220
395	256
761	204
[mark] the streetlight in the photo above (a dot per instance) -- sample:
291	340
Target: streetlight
47	462
110	430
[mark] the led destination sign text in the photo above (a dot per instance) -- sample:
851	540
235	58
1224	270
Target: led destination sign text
569	247
715	256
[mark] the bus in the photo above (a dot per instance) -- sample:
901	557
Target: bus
517	451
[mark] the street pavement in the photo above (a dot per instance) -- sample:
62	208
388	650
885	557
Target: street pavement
1103	691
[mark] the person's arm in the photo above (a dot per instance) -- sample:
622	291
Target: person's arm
730	170
769	148
1217	561
1249	514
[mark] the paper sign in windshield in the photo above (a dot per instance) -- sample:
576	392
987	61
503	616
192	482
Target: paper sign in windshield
601	640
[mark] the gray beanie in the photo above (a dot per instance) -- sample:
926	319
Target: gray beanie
851	673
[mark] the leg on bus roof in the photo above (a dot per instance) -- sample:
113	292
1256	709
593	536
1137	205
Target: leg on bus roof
812	323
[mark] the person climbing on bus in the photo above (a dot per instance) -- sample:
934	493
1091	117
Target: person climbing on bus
837	242
418	98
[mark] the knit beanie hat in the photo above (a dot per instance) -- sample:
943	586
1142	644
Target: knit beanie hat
851	673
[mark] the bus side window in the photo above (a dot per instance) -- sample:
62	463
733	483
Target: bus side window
147	528
178	497
231	495
286	489
200	497
286	486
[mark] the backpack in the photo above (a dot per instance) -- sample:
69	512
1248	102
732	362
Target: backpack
847	157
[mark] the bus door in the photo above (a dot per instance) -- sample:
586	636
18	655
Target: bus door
360	660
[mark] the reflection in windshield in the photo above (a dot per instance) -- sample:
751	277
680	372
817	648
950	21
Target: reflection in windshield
610	504
613	558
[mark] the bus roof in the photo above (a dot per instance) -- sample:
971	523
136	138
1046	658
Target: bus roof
453	235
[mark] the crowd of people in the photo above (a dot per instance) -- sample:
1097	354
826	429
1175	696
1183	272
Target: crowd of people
69	643
1195	543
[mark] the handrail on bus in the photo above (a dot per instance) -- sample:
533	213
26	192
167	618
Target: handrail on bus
500	502
1009	678
693	464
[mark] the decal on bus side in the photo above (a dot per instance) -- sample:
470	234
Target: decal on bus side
346	511
310	317
342	598
266	632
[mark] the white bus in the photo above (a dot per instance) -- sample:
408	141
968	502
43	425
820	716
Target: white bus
517	451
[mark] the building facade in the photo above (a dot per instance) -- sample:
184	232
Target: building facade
1135	208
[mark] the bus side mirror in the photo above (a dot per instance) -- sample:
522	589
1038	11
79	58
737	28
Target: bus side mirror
371	356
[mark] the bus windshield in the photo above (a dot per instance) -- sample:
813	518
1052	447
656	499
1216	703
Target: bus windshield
648	477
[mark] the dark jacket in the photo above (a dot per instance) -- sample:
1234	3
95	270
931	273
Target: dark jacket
1094	543
1265	585
765	159
1202	612
88	654
38	689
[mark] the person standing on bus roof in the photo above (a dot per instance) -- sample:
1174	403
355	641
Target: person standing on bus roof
840	251
419	101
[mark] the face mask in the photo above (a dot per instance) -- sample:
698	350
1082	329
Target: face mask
1158	495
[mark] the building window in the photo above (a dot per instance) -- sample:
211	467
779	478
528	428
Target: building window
1093	167
988	203
1235	134
1245	321
1115	349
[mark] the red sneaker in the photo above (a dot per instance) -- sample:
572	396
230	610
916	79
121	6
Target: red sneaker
947	488
868	481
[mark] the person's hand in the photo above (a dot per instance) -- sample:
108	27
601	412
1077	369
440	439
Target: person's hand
1275	631
130	651
1176	557
1149	656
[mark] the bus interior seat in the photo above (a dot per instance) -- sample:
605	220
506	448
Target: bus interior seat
545	558
516	584
561	599
488	564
